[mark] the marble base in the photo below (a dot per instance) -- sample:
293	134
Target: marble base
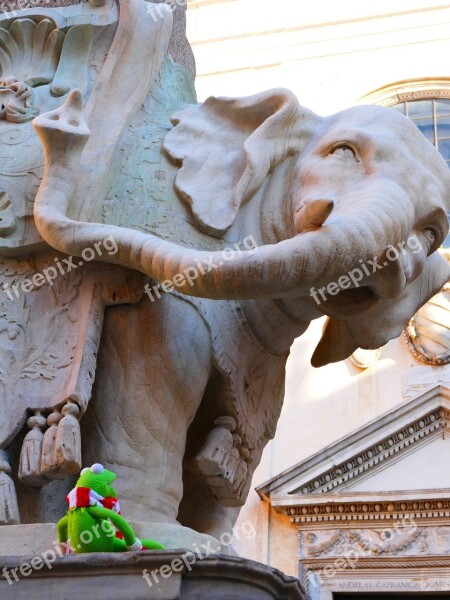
37	538
161	575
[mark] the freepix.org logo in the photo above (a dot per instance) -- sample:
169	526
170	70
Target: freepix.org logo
189	275
354	277
49	275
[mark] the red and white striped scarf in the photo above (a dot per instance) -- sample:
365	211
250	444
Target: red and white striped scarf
82	497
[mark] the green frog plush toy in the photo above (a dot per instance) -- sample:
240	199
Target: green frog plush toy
93	522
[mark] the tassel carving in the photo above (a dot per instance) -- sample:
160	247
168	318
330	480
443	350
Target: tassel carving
68	441
30	456
9	510
49	467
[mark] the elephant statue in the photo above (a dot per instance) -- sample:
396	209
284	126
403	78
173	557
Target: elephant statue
246	219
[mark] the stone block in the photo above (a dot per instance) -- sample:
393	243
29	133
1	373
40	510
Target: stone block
145	575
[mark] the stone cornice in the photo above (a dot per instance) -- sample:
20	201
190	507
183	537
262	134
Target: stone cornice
360	508
386	438
389	562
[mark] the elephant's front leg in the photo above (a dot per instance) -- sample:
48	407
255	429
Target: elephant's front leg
153	367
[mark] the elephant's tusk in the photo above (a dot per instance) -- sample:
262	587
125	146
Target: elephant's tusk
313	215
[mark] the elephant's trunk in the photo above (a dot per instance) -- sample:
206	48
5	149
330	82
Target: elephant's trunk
271	271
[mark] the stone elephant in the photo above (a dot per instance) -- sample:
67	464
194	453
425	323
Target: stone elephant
344	215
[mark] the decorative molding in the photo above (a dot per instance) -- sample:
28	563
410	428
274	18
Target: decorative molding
429	330
353	456
382	450
314	493
360	509
389	562
401	91
376	542
419	378
388	577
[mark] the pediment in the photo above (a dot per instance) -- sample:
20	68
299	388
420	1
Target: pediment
421	469
399	456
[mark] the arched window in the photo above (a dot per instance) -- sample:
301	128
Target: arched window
432	117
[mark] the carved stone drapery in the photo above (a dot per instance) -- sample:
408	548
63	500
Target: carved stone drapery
9	511
49	335
49	338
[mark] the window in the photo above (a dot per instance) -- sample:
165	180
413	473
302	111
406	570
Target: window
432	117
426	102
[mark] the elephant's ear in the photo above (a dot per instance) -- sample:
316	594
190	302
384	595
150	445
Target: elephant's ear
227	146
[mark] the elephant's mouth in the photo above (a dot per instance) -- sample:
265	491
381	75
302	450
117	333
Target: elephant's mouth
347	302
383	277
384	284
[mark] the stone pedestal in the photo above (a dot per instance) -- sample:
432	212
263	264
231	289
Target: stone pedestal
161	575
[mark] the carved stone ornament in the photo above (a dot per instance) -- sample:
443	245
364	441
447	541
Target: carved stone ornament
428	332
366	510
40	63
420	377
49	337
403	539
222	463
222	206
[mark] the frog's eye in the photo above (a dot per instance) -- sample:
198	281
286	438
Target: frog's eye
97	469
84	471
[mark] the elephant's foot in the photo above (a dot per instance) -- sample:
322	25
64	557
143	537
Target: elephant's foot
175	536
202	511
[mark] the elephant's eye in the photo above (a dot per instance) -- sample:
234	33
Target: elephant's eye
345	151
430	236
